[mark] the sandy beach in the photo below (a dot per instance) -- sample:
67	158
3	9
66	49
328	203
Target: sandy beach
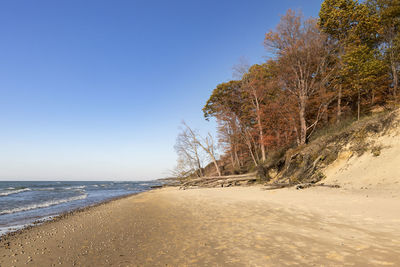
239	226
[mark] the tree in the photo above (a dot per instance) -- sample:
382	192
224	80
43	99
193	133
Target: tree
230	106
337	18
388	12
301	53
189	153
362	71
256	84
351	54
210	148
355	29
191	147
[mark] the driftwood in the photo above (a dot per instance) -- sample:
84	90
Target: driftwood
298	186
219	181
307	185
276	186
236	180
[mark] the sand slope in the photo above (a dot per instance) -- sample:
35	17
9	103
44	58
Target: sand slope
377	173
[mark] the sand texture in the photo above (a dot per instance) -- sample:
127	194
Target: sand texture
240	226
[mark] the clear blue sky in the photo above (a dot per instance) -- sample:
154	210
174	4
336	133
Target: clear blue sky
96	90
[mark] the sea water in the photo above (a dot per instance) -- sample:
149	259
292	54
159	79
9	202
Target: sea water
22	203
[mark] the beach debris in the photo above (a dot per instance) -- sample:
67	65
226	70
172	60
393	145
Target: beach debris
307	185
219	181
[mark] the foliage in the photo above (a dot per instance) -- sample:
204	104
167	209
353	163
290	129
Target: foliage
324	74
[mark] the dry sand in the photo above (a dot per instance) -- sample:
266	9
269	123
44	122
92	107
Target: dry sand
380	173
240	226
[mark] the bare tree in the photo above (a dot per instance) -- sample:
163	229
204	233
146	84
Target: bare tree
241	68
189	153
210	148
207	144
182	169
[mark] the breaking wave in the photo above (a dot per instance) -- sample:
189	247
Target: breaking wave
75	187
3	194
43	204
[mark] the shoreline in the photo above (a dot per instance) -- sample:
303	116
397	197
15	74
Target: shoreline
234	226
57	217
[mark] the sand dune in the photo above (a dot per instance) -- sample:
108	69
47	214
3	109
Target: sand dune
369	171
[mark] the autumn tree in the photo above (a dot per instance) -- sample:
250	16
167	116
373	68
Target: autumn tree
388	12
347	60
301	53
231	108
337	18
254	84
355	28
363	70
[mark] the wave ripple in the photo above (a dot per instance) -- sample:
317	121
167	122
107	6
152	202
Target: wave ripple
3	194
43	204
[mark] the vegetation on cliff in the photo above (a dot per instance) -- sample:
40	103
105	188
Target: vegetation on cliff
323	74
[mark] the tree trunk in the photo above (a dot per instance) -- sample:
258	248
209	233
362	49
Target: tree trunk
216	165
260	129
358	104
254	143
297	135
198	164
278	138
237	158
248	142
302	117
232	159
240	158
263	157
339	105
372	98
232	151
208	147
325	115
395	78
252	156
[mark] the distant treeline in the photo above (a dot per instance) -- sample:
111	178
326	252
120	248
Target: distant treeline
323	70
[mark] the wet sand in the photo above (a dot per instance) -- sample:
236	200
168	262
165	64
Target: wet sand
241	226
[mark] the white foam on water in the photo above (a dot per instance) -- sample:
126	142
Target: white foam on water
12	228
8	229
43	204
14	192
46	189
75	187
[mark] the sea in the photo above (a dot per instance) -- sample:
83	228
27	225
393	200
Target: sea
23	203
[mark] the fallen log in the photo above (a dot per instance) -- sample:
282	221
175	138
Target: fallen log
307	185
216	181
276	186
